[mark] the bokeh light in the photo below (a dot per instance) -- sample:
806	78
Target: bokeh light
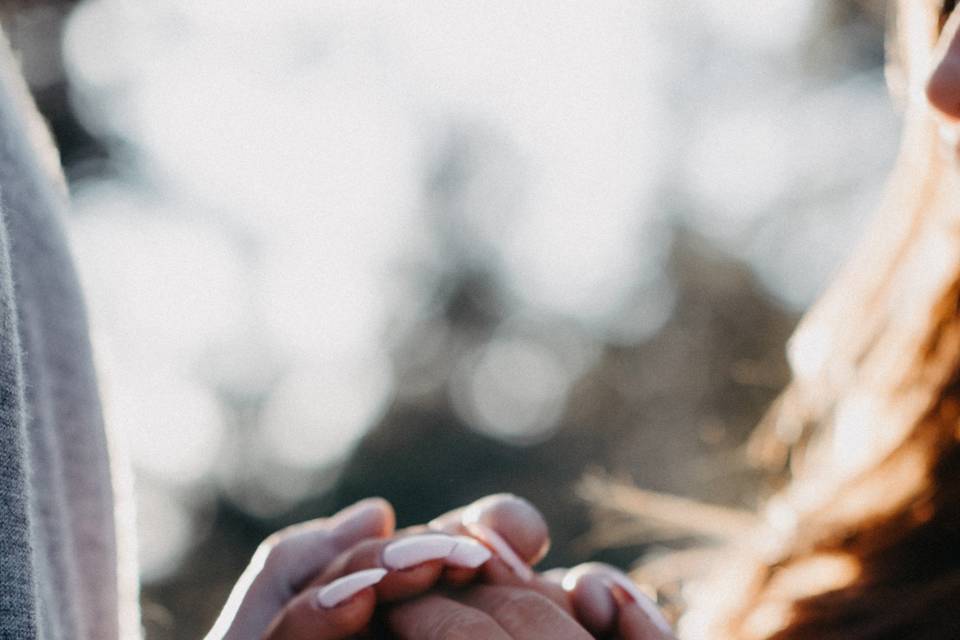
314	224
313	417
514	389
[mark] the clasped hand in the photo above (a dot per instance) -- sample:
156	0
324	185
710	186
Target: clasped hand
465	575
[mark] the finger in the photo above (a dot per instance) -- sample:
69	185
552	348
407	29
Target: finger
413	563
463	563
607	600
333	612
554	575
517	521
594	604
635	623
288	558
550	584
434	617
305	549
510	526
496	573
458	577
523	613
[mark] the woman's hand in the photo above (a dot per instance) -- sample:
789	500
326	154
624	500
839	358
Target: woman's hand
289	559
610	605
323	579
378	571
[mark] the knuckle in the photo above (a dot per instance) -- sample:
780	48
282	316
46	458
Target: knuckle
273	552
524	606
273	555
280	545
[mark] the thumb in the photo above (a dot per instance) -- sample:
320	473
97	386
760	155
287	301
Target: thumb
289	559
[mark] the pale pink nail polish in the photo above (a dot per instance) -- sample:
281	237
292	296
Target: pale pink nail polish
501	547
342	589
409	552
555	576
649	607
641	599
467	554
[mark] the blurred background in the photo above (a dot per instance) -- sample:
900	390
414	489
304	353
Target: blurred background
432	250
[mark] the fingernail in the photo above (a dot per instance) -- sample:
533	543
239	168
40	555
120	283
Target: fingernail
500	547
595	603
615	578
409	552
641	599
555	576
468	553
342	589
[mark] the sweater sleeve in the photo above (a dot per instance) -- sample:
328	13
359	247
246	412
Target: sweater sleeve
58	553
17	589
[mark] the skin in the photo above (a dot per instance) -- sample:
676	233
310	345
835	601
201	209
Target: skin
277	597
485	611
288	560
432	601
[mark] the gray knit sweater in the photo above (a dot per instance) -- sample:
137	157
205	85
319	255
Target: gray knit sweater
58	568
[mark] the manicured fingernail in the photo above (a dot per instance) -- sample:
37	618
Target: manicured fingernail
628	587
555	576
501	547
641	599
342	589
595	603
468	553
409	552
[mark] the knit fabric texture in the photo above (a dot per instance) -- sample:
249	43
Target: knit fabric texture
58	567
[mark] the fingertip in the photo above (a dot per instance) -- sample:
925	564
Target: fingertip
468	553
502	550
516	520
594	604
346	587
369	518
638	611
449	522
383	505
554	575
